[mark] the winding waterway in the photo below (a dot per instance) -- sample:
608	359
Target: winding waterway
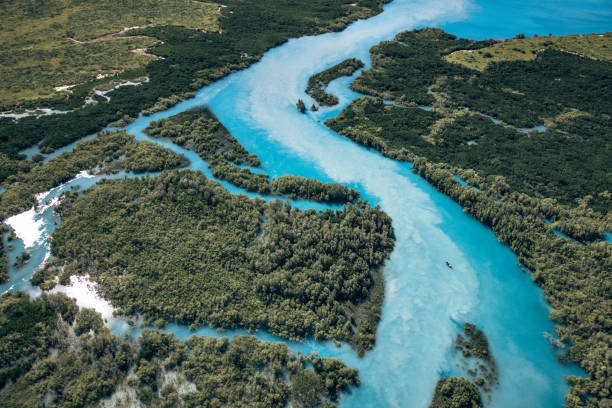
426	302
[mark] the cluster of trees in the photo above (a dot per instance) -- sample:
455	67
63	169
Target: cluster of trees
4	276
405	68
22	259
42	51
313	189
200	131
524	93
567	272
318	82
252	374
387	127
164	103
79	373
54	131
295	187
243	178
327	261
544	163
592	45
90	364
301	106
537	163
11	165
582	222
144	156
455	392
108	151
521	93
179	247
557	88
473	344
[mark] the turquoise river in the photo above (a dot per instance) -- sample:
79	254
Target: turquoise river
426	303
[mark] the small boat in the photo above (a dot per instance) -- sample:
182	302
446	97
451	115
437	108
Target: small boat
449	265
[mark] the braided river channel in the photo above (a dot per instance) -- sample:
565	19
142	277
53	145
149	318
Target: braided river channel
426	303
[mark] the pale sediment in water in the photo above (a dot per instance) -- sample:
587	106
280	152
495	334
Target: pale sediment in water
29	225
86	294
26	227
34	112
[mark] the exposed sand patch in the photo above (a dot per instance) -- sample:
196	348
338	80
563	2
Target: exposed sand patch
86	294
29	225
64	88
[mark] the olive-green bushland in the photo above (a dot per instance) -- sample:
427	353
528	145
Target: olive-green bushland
200	131
317	83
523	185
106	152
179	247
456	392
55	353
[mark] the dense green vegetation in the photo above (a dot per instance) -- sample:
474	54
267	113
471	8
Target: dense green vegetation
108	152
301	106
22	259
4	276
455	392
318	82
252	371
390	128
28	330
312	189
243	177
242	372
556	82
404	68
521	93
565	91
200	131
474	343
549	164
179	247
190	59
145	156
72	378
516	181
54	355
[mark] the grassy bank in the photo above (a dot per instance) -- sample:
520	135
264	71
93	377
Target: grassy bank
67	42
594	46
185	60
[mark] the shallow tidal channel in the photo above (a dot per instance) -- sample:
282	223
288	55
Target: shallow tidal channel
426	303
